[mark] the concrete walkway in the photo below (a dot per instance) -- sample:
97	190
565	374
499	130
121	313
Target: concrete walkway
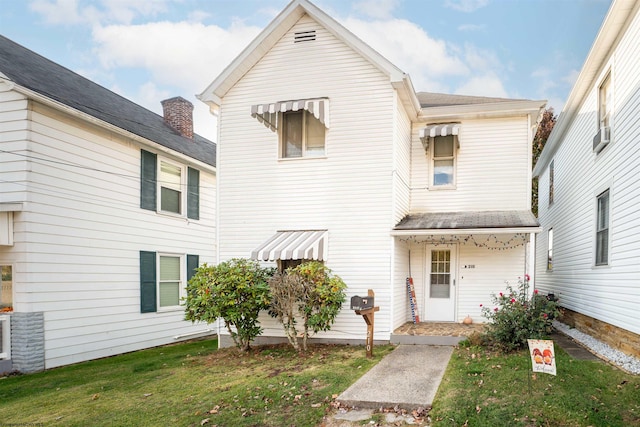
408	378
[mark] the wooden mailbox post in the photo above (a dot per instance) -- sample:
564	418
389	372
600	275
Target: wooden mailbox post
367	312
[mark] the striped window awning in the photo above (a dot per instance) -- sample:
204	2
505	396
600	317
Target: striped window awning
267	114
298	244
442	129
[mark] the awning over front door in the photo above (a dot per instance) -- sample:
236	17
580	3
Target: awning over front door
267	114
477	222
294	244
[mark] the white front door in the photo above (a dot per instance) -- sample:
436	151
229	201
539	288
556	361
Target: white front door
440	283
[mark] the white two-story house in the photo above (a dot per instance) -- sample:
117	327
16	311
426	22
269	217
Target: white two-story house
588	254
326	152
106	208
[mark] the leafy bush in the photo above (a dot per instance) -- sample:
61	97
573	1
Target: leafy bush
515	317
310	293
236	291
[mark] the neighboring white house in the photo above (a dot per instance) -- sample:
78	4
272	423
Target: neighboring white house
326	152
105	210
589	252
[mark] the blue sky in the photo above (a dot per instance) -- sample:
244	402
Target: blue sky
149	50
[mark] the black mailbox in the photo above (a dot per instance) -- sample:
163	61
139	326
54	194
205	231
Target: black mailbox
361	303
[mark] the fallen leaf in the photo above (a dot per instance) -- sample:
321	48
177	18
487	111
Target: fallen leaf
95	396
478	409
148	394
205	421
316	405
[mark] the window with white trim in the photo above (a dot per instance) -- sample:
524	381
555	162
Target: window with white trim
443	161
302	135
170	284
551	186
550	249
605	102
170	185
602	229
163	280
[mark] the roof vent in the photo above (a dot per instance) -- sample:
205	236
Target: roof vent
304	36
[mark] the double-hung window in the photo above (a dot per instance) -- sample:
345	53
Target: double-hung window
170	185
602	229
443	161
163	279
303	135
605	102
551	185
169	281
550	249
605	108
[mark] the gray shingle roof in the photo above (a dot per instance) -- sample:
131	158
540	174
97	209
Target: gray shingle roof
28	69
430	99
467	220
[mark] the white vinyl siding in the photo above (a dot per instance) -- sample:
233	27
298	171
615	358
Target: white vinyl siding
474	285
348	192
610	294
77	240
491	169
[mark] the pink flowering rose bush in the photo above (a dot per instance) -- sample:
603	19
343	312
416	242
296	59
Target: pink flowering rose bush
514	317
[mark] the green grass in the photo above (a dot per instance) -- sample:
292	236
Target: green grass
185	384
483	388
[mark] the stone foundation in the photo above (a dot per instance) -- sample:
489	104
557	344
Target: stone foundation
618	338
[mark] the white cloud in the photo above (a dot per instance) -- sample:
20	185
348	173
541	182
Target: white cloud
183	54
377	9
71	12
57	11
412	50
466	6
488	84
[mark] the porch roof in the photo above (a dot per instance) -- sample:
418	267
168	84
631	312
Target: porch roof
476	222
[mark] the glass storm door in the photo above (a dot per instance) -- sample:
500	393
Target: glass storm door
440	284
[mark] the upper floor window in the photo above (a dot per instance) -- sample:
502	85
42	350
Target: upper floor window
301	125
551	187
602	229
178	186
302	135
605	107
443	160
170	183
605	102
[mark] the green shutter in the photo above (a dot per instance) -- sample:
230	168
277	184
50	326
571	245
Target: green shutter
147	282
193	193
148	173
192	265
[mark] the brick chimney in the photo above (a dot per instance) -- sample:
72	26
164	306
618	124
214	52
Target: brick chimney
178	113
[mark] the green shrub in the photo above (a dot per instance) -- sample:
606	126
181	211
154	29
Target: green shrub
310	293
516	317
236	291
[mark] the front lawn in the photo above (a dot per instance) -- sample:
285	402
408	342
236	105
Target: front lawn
483	388
189	384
